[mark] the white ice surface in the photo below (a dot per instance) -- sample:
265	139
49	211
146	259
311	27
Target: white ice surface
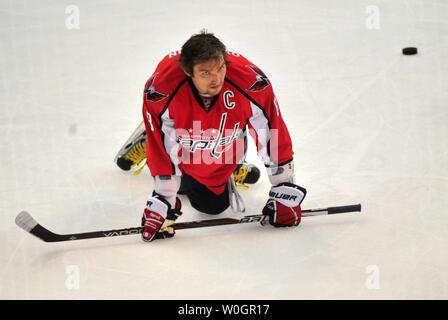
369	126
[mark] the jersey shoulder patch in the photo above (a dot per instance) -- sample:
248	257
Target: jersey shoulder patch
245	74
164	80
261	81
150	91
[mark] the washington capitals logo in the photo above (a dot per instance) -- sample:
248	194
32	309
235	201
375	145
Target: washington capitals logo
219	141
262	80
151	93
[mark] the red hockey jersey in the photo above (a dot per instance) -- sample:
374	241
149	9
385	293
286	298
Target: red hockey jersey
208	142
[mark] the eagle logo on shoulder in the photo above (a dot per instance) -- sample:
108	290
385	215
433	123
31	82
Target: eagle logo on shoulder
262	81
151	93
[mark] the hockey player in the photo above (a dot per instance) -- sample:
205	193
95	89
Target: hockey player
198	106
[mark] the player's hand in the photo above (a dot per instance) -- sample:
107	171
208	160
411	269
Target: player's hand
283	207
158	216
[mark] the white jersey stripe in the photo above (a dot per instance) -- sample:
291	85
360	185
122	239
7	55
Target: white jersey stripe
169	141
261	125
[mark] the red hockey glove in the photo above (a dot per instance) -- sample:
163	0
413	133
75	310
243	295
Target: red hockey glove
158	218
283	207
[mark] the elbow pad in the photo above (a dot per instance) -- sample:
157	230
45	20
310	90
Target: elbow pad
281	174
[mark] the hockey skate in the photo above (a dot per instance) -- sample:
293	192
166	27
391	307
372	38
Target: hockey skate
246	173
133	153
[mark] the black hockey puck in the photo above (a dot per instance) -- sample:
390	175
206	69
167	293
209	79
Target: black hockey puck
409	51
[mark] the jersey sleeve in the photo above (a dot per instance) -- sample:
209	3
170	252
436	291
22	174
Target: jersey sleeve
161	146
267	127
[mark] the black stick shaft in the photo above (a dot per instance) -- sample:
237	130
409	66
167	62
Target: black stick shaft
260	217
342	209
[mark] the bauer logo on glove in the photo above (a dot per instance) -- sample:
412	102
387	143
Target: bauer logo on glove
283	207
282	196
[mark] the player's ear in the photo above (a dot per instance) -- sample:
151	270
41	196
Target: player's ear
187	74
185	71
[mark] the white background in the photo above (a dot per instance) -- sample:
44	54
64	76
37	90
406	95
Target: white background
369	126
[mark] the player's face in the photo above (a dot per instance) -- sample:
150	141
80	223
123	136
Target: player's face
208	77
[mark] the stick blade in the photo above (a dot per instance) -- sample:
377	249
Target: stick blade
25	221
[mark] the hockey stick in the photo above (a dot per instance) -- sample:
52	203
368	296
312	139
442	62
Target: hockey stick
25	221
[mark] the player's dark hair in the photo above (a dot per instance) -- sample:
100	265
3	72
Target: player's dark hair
200	48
